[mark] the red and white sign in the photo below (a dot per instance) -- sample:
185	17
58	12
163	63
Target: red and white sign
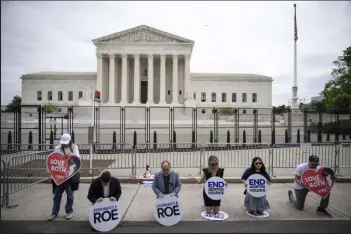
319	182
62	167
97	96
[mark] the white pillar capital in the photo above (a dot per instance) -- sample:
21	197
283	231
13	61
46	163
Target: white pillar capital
112	56
136	55
124	56
99	55
175	56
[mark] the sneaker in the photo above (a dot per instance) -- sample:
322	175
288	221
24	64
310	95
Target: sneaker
52	217
322	211
290	193
69	216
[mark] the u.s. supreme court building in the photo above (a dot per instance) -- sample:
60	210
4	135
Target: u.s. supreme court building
144	66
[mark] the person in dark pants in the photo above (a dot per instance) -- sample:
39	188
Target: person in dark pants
301	191
66	147
105	186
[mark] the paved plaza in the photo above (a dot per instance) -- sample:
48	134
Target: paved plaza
34	206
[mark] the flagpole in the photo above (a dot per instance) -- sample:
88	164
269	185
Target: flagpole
294	104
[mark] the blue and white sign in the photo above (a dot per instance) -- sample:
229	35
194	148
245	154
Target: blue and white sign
257	185
215	188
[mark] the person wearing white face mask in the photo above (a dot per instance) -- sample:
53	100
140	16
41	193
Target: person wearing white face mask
66	148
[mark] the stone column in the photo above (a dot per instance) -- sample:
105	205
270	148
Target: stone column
99	74
150	79
112	88
136	79
187	81
124	89
163	80
175	80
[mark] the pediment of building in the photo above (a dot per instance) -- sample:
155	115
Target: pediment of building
143	33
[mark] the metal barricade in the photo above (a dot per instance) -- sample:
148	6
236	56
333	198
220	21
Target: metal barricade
24	171
287	156
184	157
343	165
236	155
99	157
3	183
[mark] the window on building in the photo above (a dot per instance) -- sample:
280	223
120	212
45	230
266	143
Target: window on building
49	95
60	96
169	92
233	97
213	97
70	95
244	97
254	97
180	92
194	95
244	111
80	94
39	95
224	97
203	97
203	111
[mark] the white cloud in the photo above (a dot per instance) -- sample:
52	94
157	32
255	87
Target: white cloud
241	37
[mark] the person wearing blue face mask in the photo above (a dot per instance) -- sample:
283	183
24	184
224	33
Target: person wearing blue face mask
166	181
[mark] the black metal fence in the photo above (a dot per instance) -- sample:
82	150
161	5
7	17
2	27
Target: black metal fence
34	125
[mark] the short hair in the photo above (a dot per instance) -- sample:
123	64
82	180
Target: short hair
106	176
166	161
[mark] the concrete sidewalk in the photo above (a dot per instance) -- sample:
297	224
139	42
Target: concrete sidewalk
35	203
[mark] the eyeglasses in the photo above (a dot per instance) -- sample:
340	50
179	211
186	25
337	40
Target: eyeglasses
258	163
214	164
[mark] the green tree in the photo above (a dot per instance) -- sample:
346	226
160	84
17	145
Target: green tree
337	92
279	110
14	104
50	107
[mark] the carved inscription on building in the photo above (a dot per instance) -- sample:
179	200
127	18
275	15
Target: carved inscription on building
145	35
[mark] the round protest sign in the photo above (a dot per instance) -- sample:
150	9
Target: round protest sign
215	188
215	217
104	216
168	211
257	185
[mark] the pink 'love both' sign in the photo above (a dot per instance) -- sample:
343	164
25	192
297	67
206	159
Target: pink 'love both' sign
319	182
61	167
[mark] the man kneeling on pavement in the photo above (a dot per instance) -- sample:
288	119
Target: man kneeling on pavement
105	186
301	191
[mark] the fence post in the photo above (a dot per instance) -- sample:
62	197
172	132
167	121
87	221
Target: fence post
286	136
9	141
228	138
319	135
114	140
298	136
155	140
72	136
51	140
244	136
175	139
328	136
337	136
344	135
134	139
193	139
273	137
308	135
259	136
30	140
211	136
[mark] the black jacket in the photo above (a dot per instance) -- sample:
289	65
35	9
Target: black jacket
96	189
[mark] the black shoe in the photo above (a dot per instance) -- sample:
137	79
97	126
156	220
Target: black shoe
322	211
251	212
259	212
290	193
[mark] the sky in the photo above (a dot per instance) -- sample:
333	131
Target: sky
230	37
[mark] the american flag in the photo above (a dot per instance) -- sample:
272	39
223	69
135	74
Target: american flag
295	25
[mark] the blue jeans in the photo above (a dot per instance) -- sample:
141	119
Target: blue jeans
58	197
